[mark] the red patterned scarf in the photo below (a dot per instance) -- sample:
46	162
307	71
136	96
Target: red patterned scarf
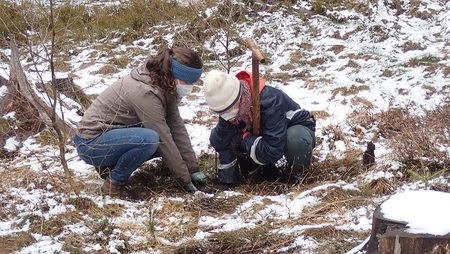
245	107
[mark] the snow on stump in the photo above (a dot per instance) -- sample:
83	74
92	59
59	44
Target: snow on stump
413	222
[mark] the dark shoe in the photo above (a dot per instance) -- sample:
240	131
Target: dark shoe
112	189
229	175
270	173
294	180
294	174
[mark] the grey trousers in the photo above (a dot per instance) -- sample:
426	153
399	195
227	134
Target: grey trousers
299	145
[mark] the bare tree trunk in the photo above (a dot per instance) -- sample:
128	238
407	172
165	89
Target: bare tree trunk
46	113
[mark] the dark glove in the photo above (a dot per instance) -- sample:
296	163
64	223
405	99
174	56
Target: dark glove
190	187
235	143
247	166
199	179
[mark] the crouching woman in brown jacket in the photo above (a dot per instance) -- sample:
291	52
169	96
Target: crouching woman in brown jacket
137	119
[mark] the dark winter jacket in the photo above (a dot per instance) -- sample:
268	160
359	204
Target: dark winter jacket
278	112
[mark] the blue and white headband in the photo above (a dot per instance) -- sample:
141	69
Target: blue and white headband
185	73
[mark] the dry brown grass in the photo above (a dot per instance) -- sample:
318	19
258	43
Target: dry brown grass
387	73
337	49
429	60
287	67
415	10
113	210
27	120
5	129
50	227
106	69
255	240
314	62
336	200
363	115
446	71
73	243
15	242
320	114
353	56
85	206
228	242
416	142
409	45
391	122
382	186
415	139
441	187
265	188
28	178
336	240
326	7
334	169
296	56
218	205
152	180
175	231
363	102
19	177
313	82
204	117
47	137
346	91
283	77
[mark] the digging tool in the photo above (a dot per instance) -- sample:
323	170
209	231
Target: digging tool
257	58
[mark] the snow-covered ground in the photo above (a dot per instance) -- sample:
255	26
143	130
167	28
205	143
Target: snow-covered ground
368	47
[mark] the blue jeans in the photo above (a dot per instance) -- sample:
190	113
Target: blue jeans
123	149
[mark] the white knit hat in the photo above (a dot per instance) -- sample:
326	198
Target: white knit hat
221	90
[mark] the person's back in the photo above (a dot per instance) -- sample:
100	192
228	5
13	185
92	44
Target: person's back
270	97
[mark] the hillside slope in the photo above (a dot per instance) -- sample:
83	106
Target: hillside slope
376	72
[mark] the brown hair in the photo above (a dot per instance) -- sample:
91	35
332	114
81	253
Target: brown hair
160	66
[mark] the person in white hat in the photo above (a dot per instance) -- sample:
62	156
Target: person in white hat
286	129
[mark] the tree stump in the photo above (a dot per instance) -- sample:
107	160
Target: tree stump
390	237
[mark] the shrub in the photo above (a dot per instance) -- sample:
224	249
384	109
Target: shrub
419	141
